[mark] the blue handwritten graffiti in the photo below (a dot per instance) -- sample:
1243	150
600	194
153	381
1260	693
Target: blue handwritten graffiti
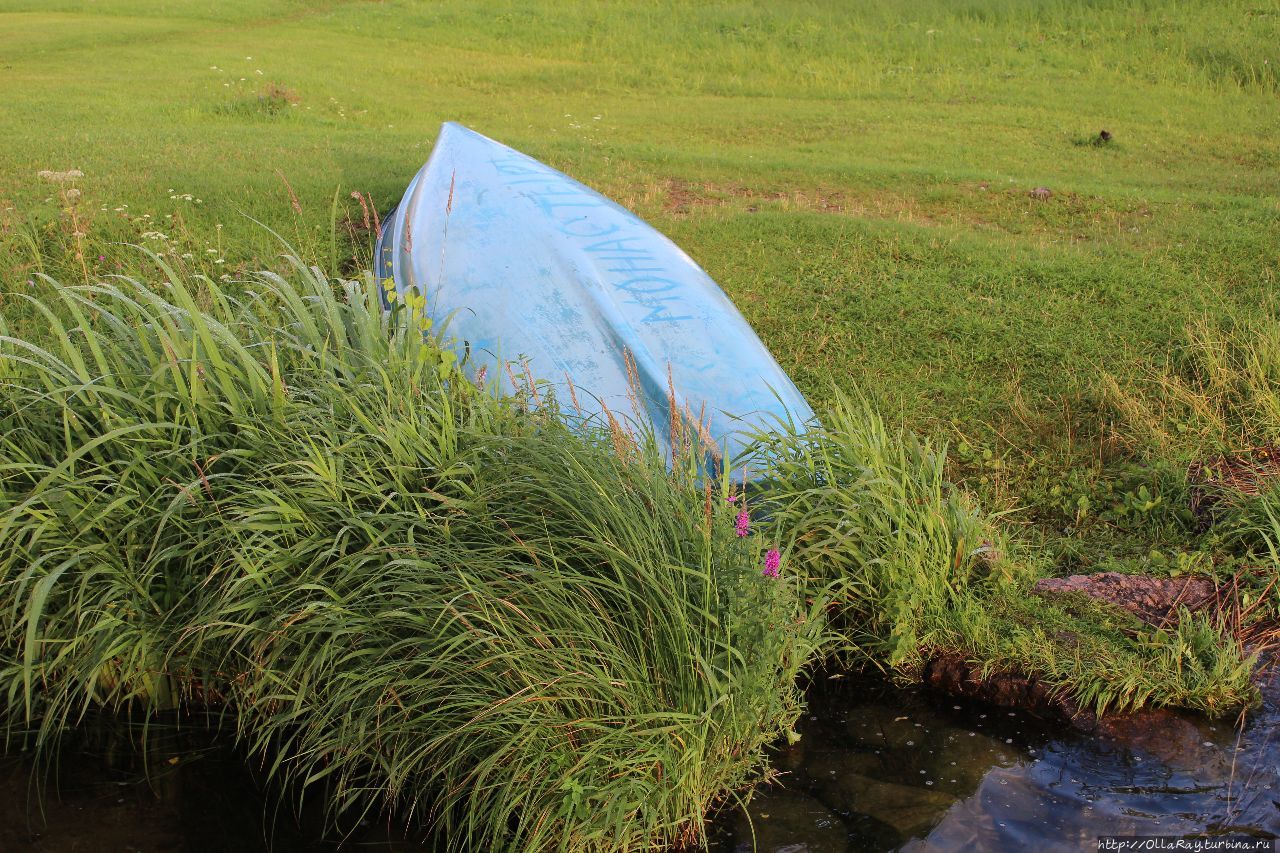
608	235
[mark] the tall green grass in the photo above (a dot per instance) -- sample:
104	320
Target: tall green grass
399	589
402	591
1218	392
914	571
872	519
1214	409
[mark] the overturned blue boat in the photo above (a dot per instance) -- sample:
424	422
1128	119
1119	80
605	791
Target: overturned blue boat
531	268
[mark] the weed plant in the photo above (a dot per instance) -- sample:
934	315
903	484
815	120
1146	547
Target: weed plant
914	569
1218	393
397	588
1215	409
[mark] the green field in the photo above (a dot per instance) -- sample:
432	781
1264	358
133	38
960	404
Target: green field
856	178
864	180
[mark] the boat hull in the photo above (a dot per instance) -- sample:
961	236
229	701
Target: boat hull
529	267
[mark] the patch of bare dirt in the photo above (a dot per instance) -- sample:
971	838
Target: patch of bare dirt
953	673
681	197
1232	605
1150	728
1219	480
1153	600
1057	215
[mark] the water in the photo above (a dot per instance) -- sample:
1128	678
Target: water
184	793
884	769
877	768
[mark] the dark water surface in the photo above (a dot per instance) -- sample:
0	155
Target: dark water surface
183	794
885	769
877	768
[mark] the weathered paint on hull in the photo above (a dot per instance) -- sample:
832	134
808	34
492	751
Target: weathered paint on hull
527	264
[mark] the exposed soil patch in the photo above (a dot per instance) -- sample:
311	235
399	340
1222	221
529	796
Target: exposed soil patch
1063	215
1221	479
1153	600
681	197
954	674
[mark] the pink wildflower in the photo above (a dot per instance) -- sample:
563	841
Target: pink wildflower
743	525
772	561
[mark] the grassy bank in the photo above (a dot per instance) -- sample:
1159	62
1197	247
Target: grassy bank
916	570
399	590
402	591
240	490
857	178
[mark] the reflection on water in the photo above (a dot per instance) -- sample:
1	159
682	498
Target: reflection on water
882	769
877	768
180	795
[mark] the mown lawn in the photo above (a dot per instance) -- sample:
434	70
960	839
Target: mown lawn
857	177
911	201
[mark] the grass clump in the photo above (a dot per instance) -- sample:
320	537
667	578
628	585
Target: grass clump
1096	657
914	570
1209	419
872	519
397	588
1219	393
1214	411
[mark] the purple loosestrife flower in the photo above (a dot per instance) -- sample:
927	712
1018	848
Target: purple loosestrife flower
743	525
772	561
